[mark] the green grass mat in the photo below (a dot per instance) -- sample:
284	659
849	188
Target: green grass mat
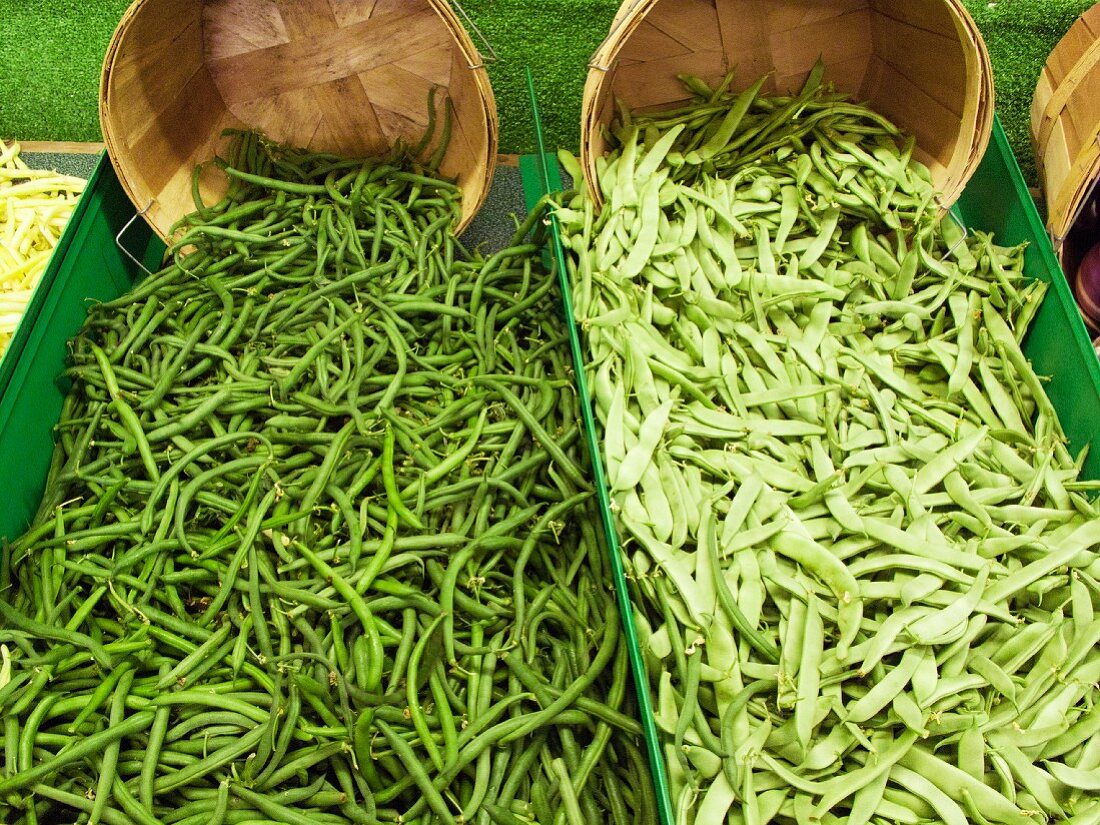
1019	35
50	55
51	51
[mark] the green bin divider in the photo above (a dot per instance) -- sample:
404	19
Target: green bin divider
87	266
541	176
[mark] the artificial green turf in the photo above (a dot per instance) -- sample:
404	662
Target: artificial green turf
51	51
556	38
50	55
1019	35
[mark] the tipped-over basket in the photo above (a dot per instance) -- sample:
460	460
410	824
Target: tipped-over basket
921	63
1065	128
344	76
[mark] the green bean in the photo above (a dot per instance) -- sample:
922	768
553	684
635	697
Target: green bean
393	497
84	747
602	658
179	673
271	183
80	803
416	771
80	640
109	763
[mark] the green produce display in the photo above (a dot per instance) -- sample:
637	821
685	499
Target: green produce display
317	544
864	565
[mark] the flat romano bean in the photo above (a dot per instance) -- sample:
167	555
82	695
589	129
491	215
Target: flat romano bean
899	448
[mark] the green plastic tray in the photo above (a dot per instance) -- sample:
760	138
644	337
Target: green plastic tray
86	266
995	200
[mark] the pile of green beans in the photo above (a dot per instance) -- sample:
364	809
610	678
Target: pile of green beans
864	567
317	544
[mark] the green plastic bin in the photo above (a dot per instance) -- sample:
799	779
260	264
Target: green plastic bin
87	265
24	330
995	200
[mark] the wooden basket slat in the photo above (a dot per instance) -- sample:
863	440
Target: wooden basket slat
390	106
1080	37
841	40
421	70
464	96
335	75
1077	176
1067	65
465	100
178	183
652	42
134	79
937	80
175	181
932	18
1072	87
794	16
389	6
741	29
937	144
171	134
349	114
1061	61
465	154
349	12
464	143
692	23
354	49
233	27
1065	121
393	125
1081	121
305	19
654	85
1058	165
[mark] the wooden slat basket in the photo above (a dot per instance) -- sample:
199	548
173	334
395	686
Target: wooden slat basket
345	76
1065	128
921	63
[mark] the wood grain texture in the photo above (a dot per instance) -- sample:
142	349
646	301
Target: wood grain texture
346	76
920	63
1065	121
61	147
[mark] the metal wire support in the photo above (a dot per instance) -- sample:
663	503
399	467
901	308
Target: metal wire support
121	232
960	241
490	51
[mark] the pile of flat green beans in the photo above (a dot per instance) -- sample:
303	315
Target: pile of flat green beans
317	543
864	567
